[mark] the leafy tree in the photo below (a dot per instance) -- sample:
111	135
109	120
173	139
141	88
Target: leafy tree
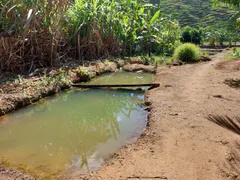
235	3
233	25
192	35
187	34
215	36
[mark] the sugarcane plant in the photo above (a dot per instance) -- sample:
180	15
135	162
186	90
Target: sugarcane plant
40	33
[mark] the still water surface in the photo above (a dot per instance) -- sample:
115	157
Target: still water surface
74	131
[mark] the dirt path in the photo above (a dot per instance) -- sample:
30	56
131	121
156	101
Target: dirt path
180	142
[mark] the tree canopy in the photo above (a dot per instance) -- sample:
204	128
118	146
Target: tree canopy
235	3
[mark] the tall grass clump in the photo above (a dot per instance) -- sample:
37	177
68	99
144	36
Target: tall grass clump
32	34
187	53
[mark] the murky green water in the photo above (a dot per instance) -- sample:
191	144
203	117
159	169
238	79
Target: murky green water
74	131
123	78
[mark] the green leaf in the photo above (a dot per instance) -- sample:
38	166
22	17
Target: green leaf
141	11
155	17
125	20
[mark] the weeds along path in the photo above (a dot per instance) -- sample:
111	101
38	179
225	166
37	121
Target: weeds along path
181	143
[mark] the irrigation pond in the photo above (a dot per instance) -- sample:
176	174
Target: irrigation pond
74	131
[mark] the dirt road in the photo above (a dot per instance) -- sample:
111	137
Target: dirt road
181	143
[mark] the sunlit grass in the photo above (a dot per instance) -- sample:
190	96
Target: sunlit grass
233	55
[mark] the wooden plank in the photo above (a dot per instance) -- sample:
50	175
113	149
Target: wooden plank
152	85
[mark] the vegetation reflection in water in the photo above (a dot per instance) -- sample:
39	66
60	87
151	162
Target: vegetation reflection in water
122	77
73	131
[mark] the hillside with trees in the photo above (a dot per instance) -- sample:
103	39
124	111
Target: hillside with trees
196	13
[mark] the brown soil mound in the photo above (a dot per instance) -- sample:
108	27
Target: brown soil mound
233	65
234	83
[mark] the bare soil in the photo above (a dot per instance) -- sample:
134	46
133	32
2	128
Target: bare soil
193	130
189	135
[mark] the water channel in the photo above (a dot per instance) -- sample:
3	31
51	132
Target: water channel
75	130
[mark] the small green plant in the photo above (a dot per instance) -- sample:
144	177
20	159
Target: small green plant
84	74
63	77
52	79
20	79
81	72
234	50
156	61
187	53
236	54
47	80
148	60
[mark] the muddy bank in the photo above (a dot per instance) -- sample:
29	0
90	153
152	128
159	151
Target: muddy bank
43	83
6	174
40	84
230	66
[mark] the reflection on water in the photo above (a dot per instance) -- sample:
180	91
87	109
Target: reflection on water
123	78
73	131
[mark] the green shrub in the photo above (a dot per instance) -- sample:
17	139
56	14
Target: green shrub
187	53
191	35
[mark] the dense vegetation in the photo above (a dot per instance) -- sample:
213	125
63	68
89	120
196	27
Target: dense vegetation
234	3
196	13
38	33
192	35
211	21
